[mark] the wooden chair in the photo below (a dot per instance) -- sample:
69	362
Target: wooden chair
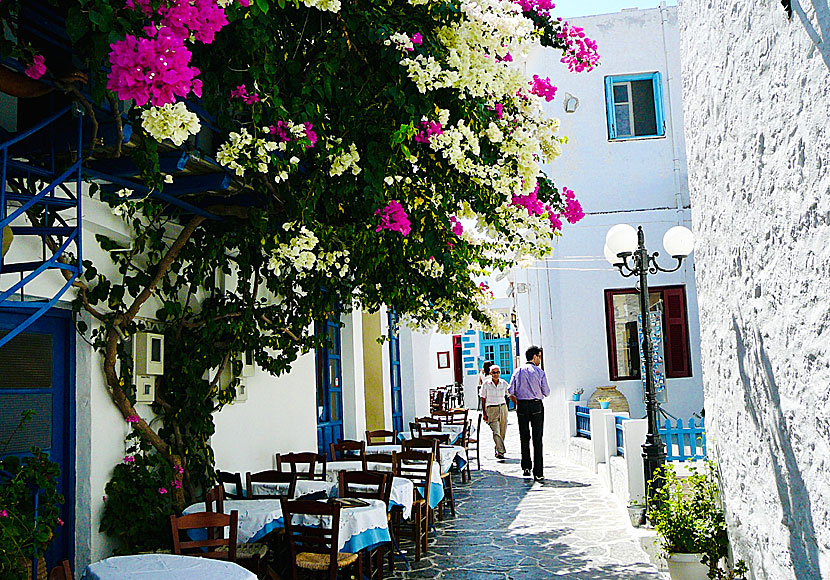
271	476
428	423
381	437
315	548
457	417
216	546
441	415
250	556
61	572
474	441
432	444
388	458
368	485
234	479
417	467
347	450
302	464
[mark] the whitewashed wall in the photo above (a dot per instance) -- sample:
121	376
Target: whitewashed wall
640	182
757	96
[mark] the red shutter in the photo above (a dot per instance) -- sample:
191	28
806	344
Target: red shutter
678	363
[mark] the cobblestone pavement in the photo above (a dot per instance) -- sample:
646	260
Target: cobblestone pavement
509	528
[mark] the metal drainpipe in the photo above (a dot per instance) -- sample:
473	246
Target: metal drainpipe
678	193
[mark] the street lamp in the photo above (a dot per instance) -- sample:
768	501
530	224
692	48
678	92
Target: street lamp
625	249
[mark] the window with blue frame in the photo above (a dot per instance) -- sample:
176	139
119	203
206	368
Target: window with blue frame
634	106
498	349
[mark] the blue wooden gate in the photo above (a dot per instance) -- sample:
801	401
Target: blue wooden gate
329	388
37	368
395	372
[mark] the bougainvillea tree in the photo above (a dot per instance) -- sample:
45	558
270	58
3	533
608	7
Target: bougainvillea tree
359	133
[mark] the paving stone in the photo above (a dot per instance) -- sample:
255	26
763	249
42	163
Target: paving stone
509	527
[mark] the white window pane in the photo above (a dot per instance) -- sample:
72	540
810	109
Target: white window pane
622	119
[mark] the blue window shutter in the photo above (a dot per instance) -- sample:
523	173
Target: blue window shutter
659	114
609	106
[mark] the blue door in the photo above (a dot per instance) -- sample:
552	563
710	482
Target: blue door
37	373
329	388
395	372
498	349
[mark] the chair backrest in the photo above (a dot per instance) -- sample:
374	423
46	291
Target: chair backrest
441	415
318	538
348	449
302	464
215	525
61	572
365	484
421	443
428	423
442	438
457	417
417	467
287	481
234	479
381	437
215	499
381	458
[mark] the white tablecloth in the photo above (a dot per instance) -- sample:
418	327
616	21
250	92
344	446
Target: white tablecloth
353	522
447	454
257	517
333	468
454	435
164	567
401	495
304	486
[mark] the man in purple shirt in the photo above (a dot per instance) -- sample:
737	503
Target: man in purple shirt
528	387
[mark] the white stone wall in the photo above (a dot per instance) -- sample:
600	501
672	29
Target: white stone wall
756	98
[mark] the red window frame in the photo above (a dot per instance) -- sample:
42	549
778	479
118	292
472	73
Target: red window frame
675	332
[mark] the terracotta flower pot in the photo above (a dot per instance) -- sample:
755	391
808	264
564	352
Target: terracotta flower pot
687	567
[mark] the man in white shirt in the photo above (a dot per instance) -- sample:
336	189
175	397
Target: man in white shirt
494	407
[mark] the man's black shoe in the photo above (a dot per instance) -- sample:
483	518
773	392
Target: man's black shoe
499	455
526	473
539	477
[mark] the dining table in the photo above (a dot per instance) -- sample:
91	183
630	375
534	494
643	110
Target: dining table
448	455
303	487
360	527
454	436
164	567
436	488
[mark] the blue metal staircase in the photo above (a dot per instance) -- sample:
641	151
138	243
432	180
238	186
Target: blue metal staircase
40	198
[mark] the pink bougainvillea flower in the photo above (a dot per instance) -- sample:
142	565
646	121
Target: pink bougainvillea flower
310	135
457	228
176	484
59	521
38	67
499	110
580	52
241	92
540	7
506	58
132	419
393	217
573	209
430	128
244	3
417	39
162	490
129	459
543	88
4	514
152	69
530	202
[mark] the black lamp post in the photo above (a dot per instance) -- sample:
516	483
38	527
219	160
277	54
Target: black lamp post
626	249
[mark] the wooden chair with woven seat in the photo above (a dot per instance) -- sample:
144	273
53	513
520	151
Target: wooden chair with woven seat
388	458
433	444
457	416
347	450
428	423
381	437
417	467
303	464
250	556
234	479
315	548
287	481
216	545
61	572
368	485
473	440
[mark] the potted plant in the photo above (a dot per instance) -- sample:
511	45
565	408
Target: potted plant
604	403
637	513
577	394
691	525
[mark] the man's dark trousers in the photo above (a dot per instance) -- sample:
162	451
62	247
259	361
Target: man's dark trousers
531	415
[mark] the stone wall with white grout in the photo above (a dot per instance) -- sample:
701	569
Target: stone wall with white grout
757	110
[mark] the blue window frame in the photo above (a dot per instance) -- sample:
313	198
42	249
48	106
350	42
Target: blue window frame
634	105
395	371
499	350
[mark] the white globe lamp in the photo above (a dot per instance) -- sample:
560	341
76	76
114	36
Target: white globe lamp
613	259
679	242
621	239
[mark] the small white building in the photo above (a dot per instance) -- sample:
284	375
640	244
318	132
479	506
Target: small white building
626	161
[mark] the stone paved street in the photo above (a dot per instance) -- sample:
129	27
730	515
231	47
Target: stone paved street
509	528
